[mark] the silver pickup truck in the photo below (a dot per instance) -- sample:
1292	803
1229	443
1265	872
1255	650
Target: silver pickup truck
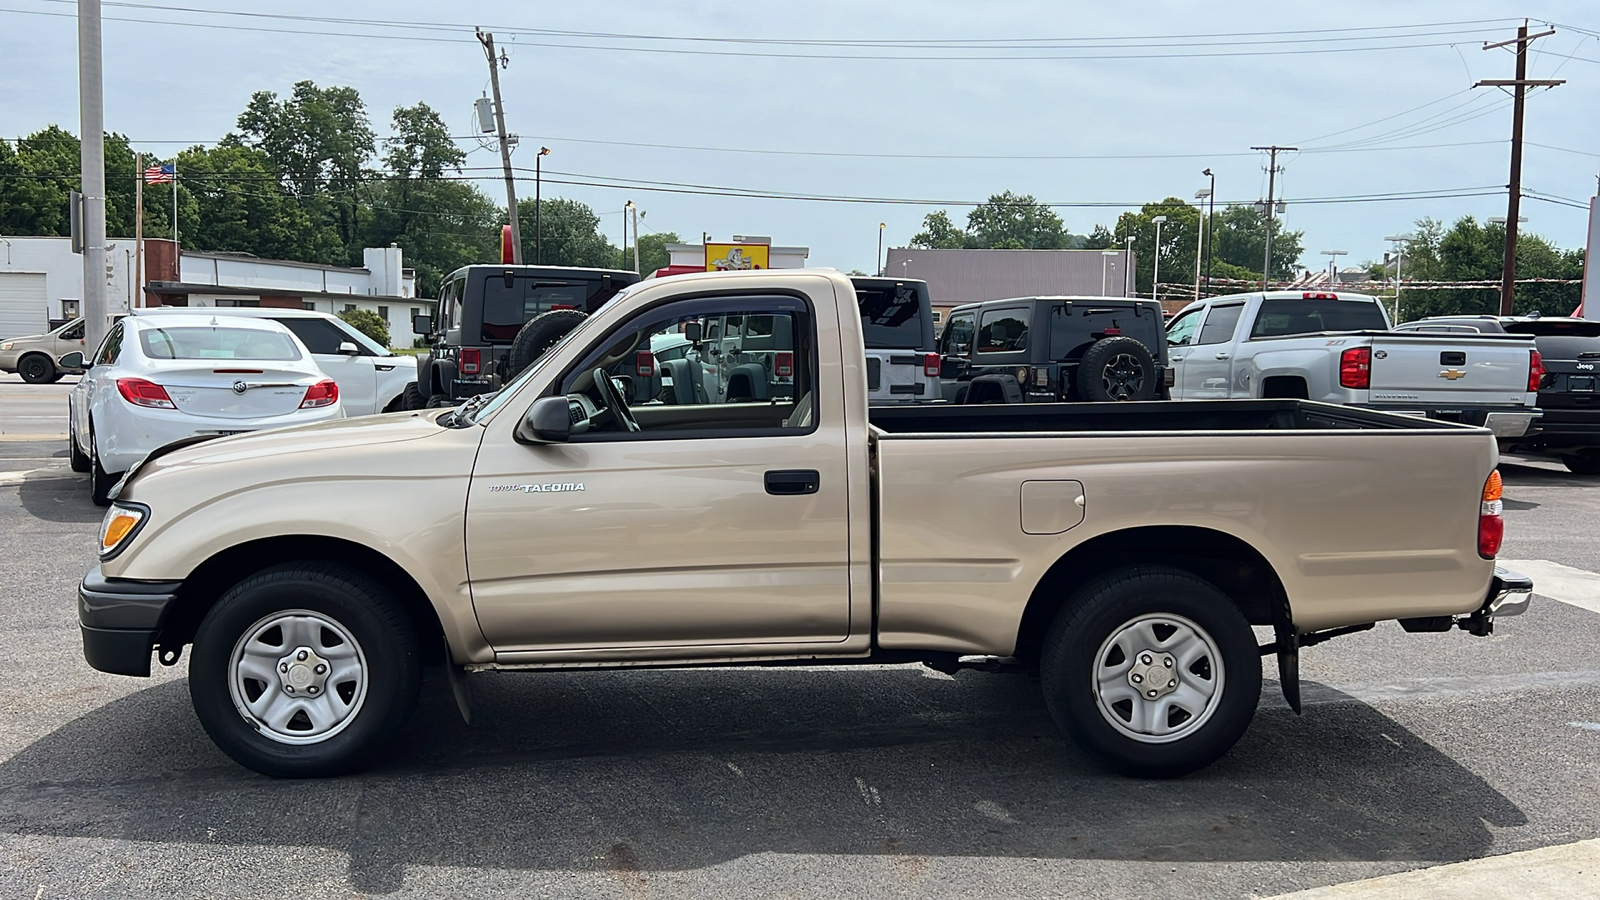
1121	551
1337	348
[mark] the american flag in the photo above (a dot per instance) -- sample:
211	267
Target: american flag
161	174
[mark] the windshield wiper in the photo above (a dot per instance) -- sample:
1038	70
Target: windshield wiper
463	416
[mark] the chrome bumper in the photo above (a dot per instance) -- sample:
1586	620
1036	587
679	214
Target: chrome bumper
1511	424
1508	594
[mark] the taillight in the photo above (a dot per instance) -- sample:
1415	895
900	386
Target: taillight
1355	368
1112	332
144	393
471	360
931	364
1535	370
323	393
1491	528
783	365
644	364
1319	295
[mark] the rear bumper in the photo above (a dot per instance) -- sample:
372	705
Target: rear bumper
1566	428
1509	594
1505	422
120	619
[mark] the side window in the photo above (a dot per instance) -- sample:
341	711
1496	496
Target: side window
450	303
1181	332
1003	331
957	340
688	370
1221	322
111	348
73	332
317	335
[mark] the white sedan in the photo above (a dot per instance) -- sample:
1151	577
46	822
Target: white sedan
156	379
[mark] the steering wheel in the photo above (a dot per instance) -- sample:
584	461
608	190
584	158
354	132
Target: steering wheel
612	398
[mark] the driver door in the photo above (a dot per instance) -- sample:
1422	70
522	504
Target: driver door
715	524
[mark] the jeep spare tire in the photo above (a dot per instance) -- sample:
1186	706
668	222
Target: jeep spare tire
539	335
1116	369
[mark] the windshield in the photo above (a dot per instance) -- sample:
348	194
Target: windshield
500	398
1282	317
216	343
891	318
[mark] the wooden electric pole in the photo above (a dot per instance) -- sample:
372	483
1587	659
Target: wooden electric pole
487	40
1518	86
1272	182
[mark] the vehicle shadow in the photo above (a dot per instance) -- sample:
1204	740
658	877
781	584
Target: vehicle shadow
668	771
59	497
1516	474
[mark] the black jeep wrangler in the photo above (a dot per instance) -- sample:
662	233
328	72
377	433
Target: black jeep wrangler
1055	349
494	320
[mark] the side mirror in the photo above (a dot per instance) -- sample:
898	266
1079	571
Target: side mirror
348	348
547	421
691	332
422	324
73	360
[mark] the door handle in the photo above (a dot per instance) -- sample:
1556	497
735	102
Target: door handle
1222	356
1171	358
793	481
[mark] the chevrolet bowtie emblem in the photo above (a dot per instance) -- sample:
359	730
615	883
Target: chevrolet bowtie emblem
1452	374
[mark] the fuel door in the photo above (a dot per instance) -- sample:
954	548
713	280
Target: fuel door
1052	507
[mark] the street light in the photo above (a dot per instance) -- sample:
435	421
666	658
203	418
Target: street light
1211	223
1127	267
1333	265
881	226
1399	241
538	174
1105	259
1199	239
1155	263
904	263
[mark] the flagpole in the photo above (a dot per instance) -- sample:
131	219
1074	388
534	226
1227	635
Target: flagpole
174	209
138	228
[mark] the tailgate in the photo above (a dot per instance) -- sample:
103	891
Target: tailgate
1450	368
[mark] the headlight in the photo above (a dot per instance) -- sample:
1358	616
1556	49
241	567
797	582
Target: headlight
123	520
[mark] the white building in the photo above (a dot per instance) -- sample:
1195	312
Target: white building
42	280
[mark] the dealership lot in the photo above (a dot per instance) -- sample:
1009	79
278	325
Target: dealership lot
880	781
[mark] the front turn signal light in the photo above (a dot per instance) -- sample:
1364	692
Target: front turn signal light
122	521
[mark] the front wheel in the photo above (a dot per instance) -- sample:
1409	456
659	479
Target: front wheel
1153	670
36	368
305	670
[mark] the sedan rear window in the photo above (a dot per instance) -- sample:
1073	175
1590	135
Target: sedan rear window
1287	316
216	343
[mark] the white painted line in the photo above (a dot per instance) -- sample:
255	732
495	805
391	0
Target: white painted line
1567	871
1575	587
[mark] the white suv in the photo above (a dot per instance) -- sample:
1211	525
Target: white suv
371	378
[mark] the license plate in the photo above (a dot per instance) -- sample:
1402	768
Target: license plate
1580	383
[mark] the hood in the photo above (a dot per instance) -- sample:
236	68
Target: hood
21	337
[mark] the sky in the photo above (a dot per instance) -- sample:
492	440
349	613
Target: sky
1091	106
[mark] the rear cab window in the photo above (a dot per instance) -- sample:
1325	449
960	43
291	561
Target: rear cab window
1282	317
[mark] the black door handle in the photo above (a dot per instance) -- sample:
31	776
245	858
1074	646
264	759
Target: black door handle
793	481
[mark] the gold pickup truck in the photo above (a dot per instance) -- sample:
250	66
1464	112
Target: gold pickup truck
693	478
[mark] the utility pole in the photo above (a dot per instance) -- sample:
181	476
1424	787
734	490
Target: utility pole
138	228
495	65
1272	176
92	160
1518	86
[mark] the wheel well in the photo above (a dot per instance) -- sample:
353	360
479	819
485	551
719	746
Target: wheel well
1222	559
1284	387
207	583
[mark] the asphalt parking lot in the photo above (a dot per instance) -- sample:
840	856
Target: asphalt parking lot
865	782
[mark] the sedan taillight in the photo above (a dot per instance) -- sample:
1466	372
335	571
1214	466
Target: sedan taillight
323	393
144	393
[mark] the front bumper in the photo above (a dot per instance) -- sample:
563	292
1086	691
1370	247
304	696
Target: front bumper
120	619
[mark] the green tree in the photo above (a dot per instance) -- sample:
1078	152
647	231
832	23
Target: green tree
570	234
1241	239
1177	250
368	323
653	253
230	199
1010	221
1470	251
939	233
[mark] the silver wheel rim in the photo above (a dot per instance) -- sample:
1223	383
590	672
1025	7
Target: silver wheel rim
298	677
1158	678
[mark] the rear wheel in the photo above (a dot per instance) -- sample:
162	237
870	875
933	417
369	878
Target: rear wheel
1153	670
305	670
413	397
36	368
1582	463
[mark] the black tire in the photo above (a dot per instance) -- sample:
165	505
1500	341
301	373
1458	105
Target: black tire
1229	665
100	481
438	401
539	334
413	397
1582	463
1116	369
75	457
311	592
36	368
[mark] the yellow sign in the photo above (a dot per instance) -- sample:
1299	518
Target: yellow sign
736	257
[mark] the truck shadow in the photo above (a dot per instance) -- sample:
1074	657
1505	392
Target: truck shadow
59	496
668	771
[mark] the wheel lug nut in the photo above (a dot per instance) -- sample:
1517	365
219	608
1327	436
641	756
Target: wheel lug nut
300	655
283	667
1172	683
1168	661
312	689
289	688
321	668
1137	678
1152	694
1145	659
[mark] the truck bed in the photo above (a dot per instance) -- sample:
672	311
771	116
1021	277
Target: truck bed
1190	415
